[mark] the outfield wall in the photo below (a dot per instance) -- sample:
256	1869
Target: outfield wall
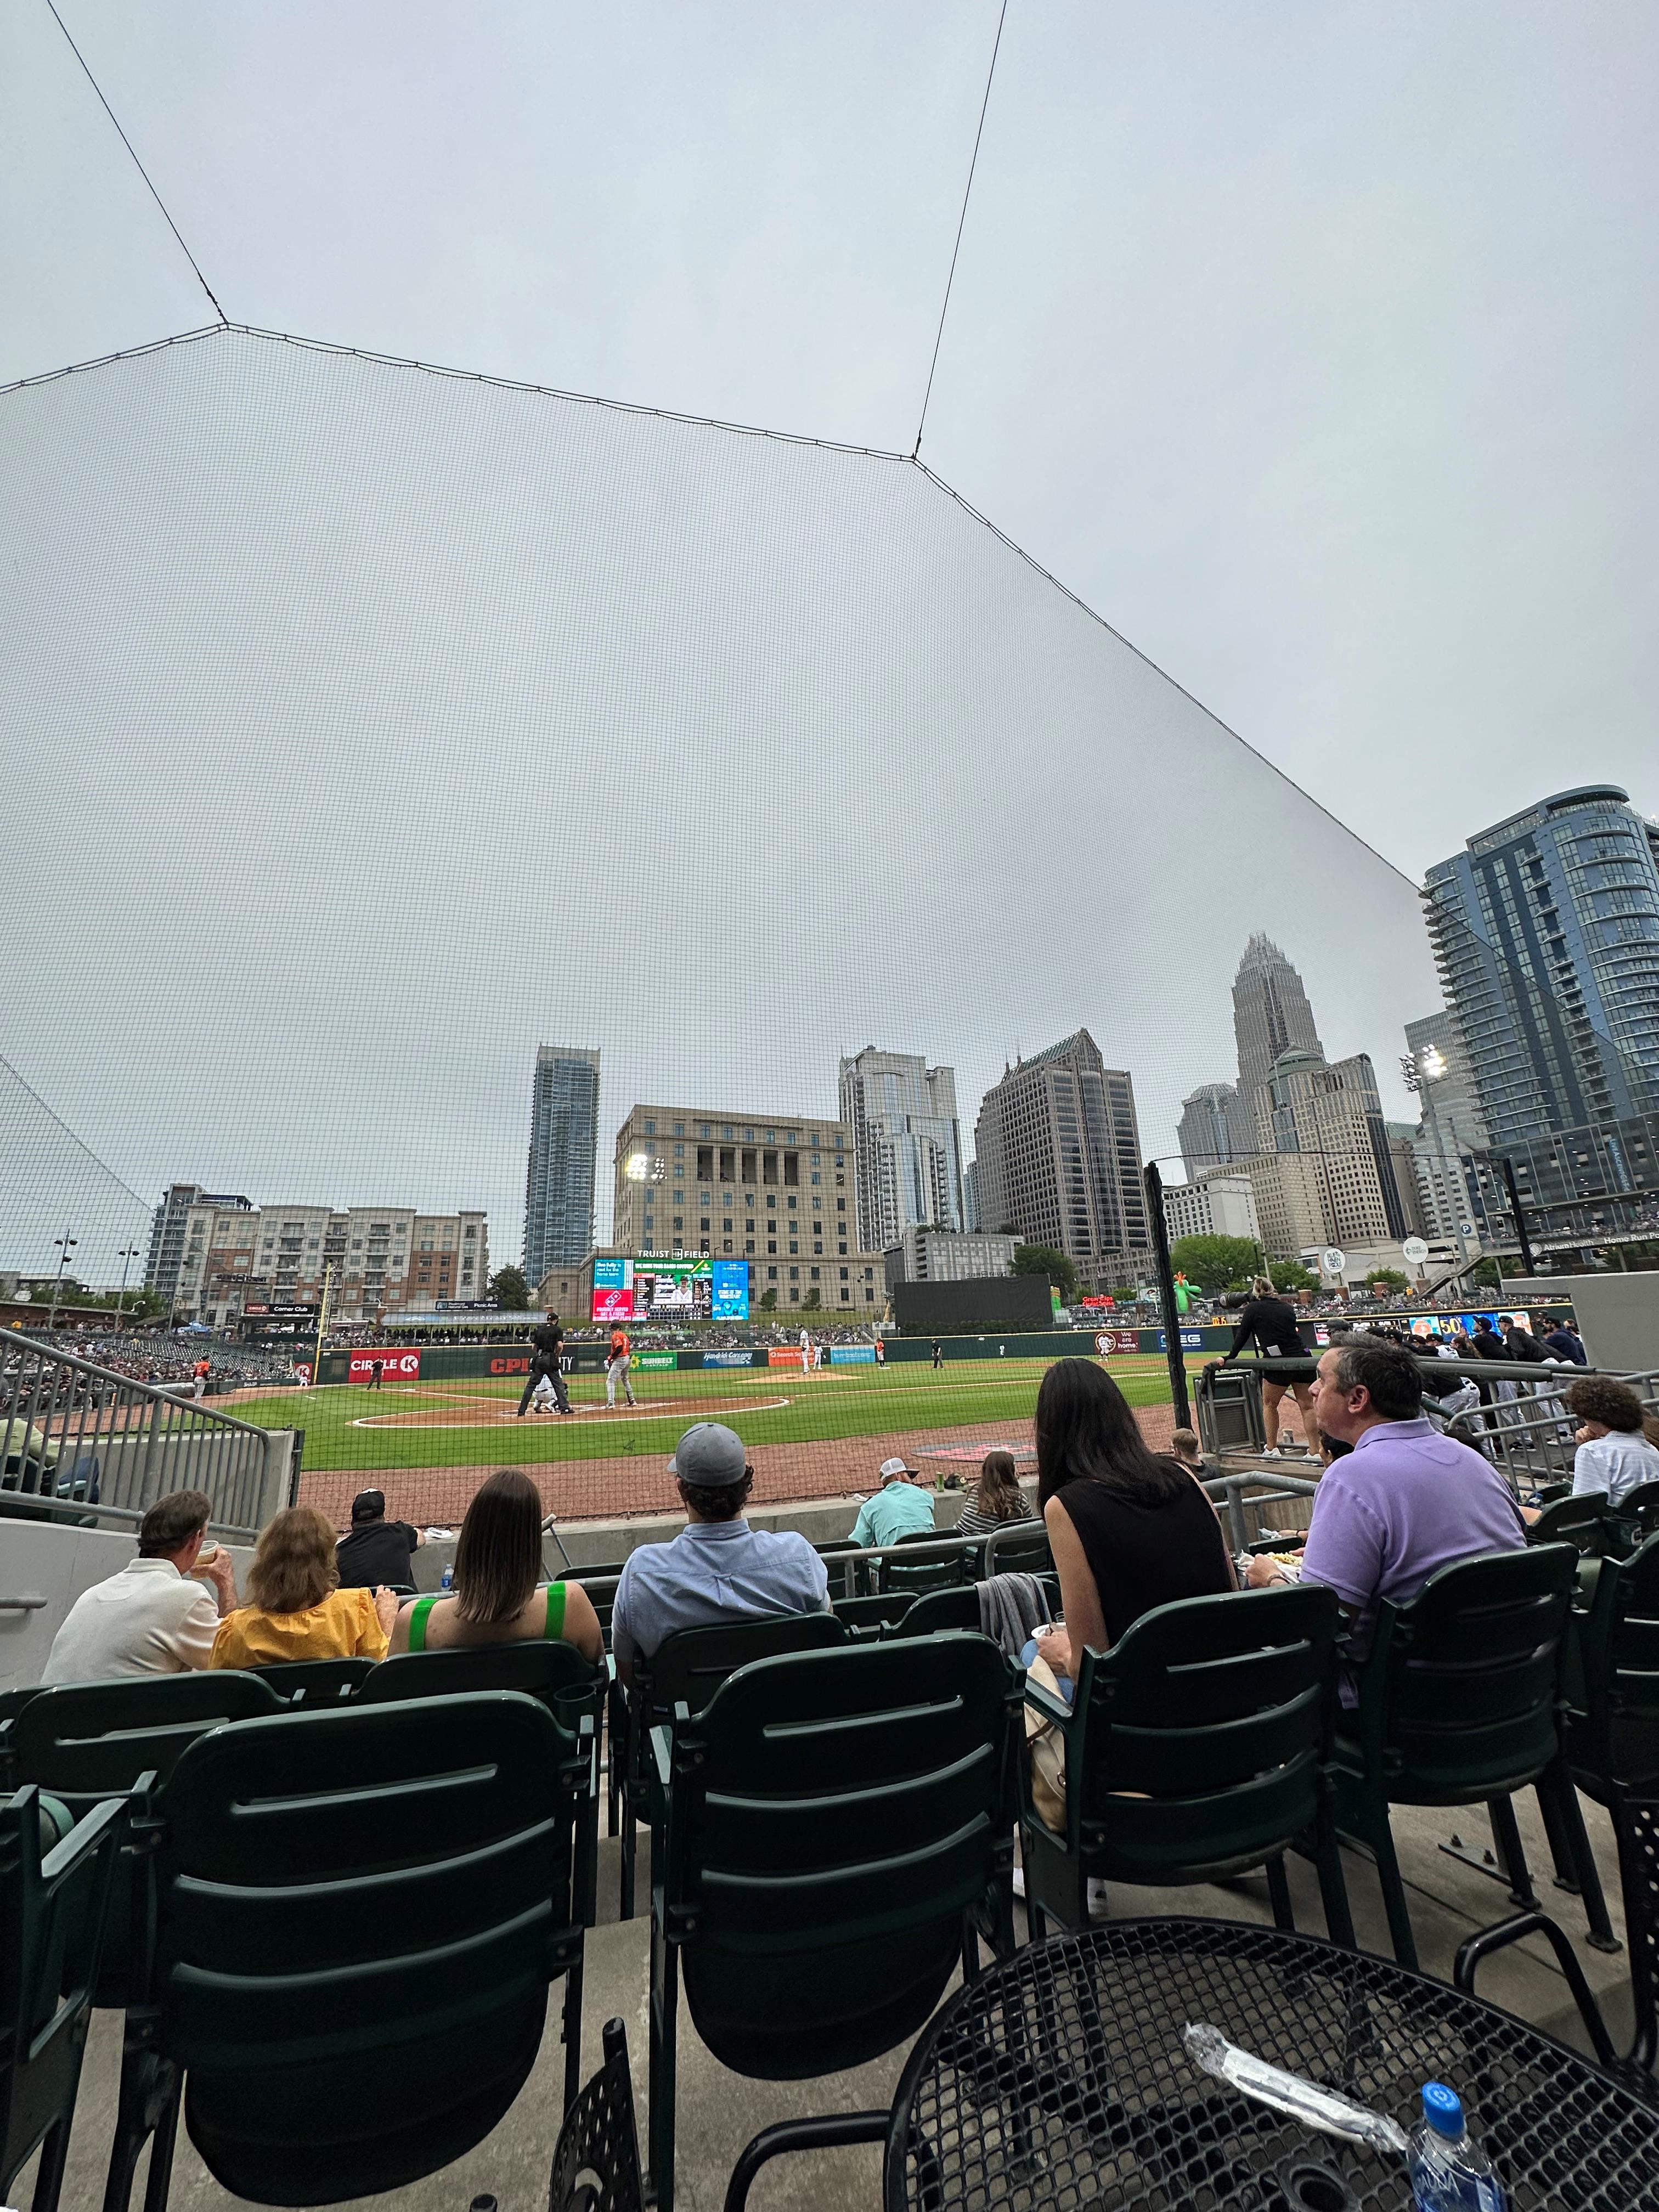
449	1362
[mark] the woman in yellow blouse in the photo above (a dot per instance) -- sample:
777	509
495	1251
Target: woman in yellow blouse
296	1608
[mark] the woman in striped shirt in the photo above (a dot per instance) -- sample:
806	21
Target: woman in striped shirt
998	1500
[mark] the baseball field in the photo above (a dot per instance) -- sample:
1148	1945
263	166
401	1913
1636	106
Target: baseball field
427	1444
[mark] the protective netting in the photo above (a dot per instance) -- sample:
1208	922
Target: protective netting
368	726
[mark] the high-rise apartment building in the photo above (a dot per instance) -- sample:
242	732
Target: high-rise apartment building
1546	932
564	1135
167	1232
1215	1127
1271	1015
379	1261
1057	1149
970	1221
943	1256
907	1146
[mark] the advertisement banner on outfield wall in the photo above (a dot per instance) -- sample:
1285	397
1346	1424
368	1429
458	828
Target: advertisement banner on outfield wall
852	1355
730	1359
398	1361
784	1355
656	1359
1109	1340
613	1291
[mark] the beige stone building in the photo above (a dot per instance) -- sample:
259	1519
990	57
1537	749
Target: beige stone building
774	1189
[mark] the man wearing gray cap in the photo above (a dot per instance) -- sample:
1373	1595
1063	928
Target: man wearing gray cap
718	1568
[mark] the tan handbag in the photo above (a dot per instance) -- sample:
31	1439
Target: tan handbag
1046	1749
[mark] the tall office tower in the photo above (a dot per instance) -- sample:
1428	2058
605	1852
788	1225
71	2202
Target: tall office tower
1270	1014
1546	932
1332	1115
906	1147
970	1196
1057	1151
564	1129
1214	1128
1449	1129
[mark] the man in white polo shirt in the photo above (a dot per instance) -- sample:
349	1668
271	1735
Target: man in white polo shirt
153	1618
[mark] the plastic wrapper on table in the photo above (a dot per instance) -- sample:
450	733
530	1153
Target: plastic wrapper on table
1289	2093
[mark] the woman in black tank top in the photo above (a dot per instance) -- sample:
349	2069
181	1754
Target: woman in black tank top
1129	1530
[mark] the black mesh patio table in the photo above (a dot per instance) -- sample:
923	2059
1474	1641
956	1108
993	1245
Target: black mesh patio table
1059	2079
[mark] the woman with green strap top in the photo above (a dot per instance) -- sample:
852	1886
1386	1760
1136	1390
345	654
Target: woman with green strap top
499	1596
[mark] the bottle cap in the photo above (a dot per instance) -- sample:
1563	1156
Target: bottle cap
1443	2109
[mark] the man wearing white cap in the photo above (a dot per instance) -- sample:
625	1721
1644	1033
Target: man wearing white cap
902	1507
718	1568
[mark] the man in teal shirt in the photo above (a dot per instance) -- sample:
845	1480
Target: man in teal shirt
903	1506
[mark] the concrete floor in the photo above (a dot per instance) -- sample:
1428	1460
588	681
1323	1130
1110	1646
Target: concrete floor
720	2110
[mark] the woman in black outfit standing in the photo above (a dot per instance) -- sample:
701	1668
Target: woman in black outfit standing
1129	1528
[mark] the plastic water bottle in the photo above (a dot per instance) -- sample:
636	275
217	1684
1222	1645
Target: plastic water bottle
447	1576
1450	2171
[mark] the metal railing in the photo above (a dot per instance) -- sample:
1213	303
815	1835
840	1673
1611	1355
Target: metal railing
1520	1423
77	1440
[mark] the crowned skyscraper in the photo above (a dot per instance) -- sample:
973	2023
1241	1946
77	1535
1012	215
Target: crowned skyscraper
1270	1014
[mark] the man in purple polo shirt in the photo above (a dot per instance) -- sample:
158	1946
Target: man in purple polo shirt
1406	1501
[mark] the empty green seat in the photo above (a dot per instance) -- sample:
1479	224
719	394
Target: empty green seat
686	1670
871	1614
921	1562
1613	1700
838	1833
1581	1521
936	1610
1019	1547
1458	1701
1197	1747
87	1741
52	1914
357	1914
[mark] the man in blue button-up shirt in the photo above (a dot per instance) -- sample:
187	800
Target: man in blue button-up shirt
718	1568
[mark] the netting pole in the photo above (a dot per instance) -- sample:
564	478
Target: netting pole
1166	1293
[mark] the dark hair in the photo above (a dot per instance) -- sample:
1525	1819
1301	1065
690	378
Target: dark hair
172	1521
1085	1431
1386	1371
1333	1448
498	1554
721	1501
1598	1398
998	1493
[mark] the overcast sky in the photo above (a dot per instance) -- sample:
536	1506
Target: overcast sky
1311	346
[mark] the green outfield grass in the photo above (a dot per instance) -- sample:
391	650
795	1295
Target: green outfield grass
851	1401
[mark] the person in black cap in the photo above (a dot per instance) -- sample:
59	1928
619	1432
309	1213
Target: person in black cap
546	1358
377	1550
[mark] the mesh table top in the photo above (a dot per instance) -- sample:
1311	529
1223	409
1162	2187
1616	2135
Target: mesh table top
1059	2078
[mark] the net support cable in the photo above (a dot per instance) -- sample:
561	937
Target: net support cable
972	163
735	429
223	319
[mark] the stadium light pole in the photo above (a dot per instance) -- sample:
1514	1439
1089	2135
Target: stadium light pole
65	1244
322	1323
126	1256
1166	1292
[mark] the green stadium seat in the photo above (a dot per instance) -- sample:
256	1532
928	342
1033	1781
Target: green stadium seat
88	1741
838	1835
357	1914
933	1564
1458	1701
686	1670
1196	1748
312	1682
1020	1548
53	1910
871	1615
937	1610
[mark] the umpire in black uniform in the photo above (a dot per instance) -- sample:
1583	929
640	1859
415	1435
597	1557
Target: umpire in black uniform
546	1345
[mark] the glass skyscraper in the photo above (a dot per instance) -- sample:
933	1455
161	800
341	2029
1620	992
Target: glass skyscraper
1545	931
907	1146
564	1124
